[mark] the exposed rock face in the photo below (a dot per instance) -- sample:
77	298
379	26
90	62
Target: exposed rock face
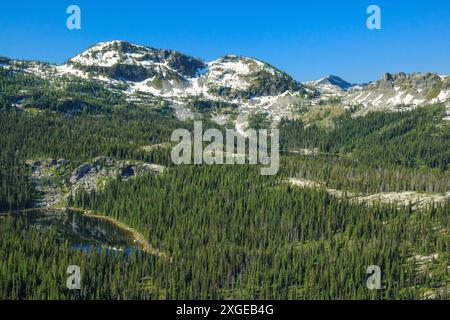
400	90
47	174
122	60
96	174
414	82
55	181
417	200
81	172
127	171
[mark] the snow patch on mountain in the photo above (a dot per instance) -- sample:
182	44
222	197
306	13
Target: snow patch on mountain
228	72
398	91
66	69
146	75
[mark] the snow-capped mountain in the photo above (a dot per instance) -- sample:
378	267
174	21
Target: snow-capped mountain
135	67
169	73
393	92
139	71
241	84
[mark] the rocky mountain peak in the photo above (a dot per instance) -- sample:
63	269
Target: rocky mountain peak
401	90
334	81
241	84
414	81
127	61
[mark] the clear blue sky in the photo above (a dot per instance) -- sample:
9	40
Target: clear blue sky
307	39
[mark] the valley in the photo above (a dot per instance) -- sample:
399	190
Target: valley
85	155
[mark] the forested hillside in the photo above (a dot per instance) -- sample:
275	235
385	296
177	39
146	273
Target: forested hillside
265	241
411	139
226	231
272	241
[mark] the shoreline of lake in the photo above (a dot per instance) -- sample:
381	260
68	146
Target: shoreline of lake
137	237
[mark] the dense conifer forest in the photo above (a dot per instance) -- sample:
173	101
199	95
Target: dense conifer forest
226	231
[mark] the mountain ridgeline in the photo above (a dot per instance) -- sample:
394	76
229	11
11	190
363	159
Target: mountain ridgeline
165	70
233	87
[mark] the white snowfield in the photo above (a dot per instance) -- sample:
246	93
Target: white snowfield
228	73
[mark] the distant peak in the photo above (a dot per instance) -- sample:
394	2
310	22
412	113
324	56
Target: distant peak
335	81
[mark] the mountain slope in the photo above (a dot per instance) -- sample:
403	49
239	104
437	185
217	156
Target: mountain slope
394	90
162	72
111	56
148	76
228	90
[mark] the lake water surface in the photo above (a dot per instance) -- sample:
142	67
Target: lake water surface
84	232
